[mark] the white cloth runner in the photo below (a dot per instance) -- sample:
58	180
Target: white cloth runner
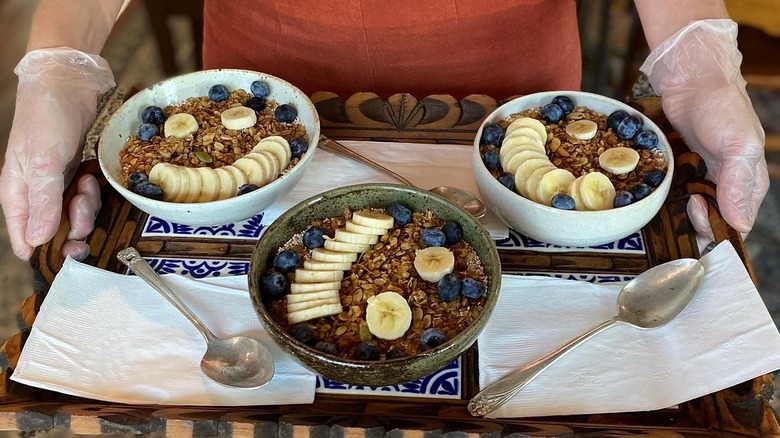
112	337
723	337
426	165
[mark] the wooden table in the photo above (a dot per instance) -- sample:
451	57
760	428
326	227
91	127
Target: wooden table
737	411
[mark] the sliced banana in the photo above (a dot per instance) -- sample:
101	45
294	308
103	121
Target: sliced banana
525	132
312	296
267	162
522	143
597	191
168	178
525	170
532	183
273	161
195	186
582	129
528	122
342	235
335	245
514	161
227	184
303	288
278	146
433	263
315	265
313	313
368	218
574	192
326	255
184	183
254	171
209	184
361	229
238	176
552	183
308	276
238	118
388	315
180	125
619	160
294	307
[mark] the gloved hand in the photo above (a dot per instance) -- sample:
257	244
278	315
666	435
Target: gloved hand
55	104
696	73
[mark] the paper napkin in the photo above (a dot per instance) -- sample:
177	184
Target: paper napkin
111	337
725	336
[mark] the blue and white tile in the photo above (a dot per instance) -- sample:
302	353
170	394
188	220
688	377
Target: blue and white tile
251	228
633	244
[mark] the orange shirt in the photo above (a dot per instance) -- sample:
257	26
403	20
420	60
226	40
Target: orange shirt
458	47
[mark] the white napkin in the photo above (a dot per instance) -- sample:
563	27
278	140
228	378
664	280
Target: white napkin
112	337
725	336
426	165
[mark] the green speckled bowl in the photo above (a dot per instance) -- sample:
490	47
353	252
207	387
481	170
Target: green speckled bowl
332	203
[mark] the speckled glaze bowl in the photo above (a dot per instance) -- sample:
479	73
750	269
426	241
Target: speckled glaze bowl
332	203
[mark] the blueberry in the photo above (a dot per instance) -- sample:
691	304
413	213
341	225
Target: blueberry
400	213
622	198
314	237
136	178
287	260
433	237
326	347
153	114
260	89
646	140
218	93
285	113
628	127
149	190
395	353
298	147
449	287
490	158
615	118
640	191
652	178
552	113
492	134
366	351
303	333
246	188
273	285
256	103
507	180
472	288
453	232
565	102
562	201
432	338
146	131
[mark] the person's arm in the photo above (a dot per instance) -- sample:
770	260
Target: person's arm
79	24
663	18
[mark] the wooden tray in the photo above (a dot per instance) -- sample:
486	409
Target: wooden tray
740	410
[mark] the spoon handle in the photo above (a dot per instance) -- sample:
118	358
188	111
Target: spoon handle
341	150
133	260
500	391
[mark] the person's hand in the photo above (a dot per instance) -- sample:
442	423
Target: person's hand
696	73
55	105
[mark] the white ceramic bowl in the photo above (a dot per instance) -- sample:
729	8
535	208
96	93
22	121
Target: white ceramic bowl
565	227
126	120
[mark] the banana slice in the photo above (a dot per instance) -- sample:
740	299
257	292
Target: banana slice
308	276
525	132
342	235
195	184
254	171
582	129
313	313
525	170
238	118
326	255
373	219
514	161
388	315
184	183
267	162
552	183
273	161
522	142
294	307
528	122
335	245
227	184
303	288
619	160
312	296
433	263
168	178
532	183
597	191
574	192
238	176
314	265
180	125
360	229
278	146
209	184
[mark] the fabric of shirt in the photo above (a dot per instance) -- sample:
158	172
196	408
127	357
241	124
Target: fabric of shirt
459	47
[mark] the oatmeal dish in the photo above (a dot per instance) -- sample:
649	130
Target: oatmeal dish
213	147
375	284
574	158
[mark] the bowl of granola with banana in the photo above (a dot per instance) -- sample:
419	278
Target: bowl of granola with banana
375	284
572	168
210	147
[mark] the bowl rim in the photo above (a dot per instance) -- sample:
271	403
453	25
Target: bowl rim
154	203
493	289
667	151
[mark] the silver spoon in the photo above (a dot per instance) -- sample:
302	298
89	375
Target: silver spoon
239	361
468	201
652	299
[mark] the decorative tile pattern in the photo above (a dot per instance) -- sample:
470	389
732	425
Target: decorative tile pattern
251	228
633	244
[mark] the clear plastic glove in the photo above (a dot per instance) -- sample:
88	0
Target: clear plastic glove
55	105
697	74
